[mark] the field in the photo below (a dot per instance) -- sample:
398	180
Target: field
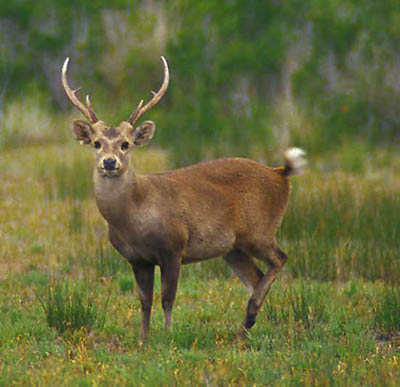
70	313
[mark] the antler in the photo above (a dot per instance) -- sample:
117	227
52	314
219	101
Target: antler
139	111
87	111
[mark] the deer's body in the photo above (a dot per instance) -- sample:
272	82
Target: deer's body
199	212
227	207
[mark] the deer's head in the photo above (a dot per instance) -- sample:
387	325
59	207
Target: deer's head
113	144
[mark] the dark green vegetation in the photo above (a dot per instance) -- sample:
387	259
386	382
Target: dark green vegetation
248	78
70	309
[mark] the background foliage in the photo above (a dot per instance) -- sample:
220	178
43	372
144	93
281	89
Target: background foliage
247	76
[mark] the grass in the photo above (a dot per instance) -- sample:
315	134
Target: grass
69	307
108	262
25	121
387	311
340	225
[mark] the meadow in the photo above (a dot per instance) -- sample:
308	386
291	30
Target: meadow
70	312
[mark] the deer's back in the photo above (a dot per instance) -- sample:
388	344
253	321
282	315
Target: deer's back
222	203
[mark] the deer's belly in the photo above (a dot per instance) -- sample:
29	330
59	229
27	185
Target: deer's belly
153	240
205	245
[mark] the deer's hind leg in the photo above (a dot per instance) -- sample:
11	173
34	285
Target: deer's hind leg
276	259
245	268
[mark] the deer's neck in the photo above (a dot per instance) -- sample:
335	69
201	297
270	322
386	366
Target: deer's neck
116	195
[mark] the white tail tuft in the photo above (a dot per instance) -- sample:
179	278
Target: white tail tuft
294	161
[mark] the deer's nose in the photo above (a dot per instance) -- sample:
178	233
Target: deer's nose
109	164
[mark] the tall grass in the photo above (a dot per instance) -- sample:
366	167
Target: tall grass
66	174
387	310
27	121
108	262
303	303
72	307
341	225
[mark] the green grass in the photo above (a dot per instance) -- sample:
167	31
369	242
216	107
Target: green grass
387	311
328	342
71	307
340	225
70	312
108	262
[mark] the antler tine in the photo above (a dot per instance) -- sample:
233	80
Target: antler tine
91	112
132	118
86	111
88	104
156	96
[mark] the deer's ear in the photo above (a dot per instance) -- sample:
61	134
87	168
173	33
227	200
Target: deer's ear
83	131
144	133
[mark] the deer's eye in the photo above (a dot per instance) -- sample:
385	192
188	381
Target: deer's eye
97	144
125	145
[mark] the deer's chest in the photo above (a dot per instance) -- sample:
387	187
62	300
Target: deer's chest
146	235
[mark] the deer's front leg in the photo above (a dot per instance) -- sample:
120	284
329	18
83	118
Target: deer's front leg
170	270
144	274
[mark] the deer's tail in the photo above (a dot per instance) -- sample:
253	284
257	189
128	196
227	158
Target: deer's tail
294	162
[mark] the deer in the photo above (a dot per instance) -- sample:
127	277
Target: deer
227	207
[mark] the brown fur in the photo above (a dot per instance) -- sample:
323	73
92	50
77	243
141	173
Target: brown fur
111	133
